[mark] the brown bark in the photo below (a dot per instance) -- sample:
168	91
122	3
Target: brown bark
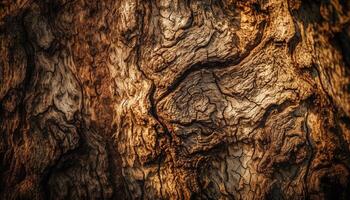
160	99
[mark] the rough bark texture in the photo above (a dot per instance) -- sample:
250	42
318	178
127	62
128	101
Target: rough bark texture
195	99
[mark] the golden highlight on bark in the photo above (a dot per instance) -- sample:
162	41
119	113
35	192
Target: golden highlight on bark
183	99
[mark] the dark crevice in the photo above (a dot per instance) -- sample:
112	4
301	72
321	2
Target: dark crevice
29	50
215	64
334	189
30	67
63	162
196	67
152	90
118	185
342	153
346	121
272	108
160	160
153	112
294	41
341	41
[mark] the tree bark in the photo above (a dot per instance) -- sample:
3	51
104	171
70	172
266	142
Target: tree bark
212	99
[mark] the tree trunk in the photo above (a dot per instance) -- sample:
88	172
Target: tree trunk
212	99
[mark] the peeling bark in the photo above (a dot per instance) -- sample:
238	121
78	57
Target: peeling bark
164	99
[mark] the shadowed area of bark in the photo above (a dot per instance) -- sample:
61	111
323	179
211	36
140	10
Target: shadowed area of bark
212	99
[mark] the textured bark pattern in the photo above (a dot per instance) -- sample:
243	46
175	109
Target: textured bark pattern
210	99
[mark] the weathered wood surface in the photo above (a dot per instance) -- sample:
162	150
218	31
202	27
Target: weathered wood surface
212	99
